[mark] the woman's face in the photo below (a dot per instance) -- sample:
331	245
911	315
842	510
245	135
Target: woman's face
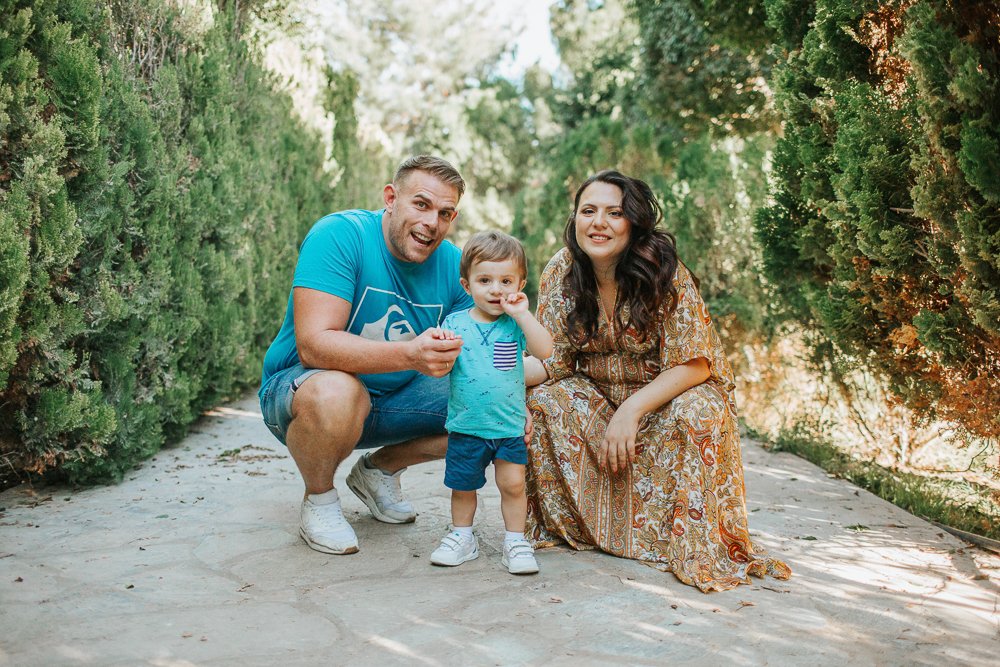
601	228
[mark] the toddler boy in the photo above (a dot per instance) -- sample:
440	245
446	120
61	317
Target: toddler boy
486	410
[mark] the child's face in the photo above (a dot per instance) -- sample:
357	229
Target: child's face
489	282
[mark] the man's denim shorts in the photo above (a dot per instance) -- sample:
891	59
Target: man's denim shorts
418	408
469	455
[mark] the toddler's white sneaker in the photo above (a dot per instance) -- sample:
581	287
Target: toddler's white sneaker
455	550
519	557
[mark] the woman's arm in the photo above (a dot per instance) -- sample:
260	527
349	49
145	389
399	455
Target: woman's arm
686	352
534	372
618	446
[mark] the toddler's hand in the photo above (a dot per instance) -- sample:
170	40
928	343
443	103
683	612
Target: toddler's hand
434	351
515	304
438	333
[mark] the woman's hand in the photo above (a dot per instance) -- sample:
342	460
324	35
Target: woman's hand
618	446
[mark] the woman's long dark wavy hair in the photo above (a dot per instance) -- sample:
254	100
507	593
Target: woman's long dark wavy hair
645	271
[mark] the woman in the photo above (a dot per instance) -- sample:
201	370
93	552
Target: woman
635	447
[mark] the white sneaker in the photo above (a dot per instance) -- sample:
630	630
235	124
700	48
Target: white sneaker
380	492
519	557
455	550
325	529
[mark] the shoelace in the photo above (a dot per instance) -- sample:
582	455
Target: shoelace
389	487
329	519
520	549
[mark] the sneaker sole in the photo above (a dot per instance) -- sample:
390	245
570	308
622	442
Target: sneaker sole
506	564
353	549
357	490
473	556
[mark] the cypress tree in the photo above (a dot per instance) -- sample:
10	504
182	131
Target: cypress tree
884	231
153	191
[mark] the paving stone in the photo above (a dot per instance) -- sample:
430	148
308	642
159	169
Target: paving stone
195	559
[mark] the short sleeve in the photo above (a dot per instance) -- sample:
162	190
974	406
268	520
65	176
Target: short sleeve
687	333
329	257
552	312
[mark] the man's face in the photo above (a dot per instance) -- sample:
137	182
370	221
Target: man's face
418	214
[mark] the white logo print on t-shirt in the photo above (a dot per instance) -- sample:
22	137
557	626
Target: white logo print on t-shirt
392	326
387	316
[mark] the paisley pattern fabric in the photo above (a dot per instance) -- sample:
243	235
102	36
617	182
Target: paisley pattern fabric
680	507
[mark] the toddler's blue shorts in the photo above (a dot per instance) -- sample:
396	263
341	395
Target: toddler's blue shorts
469	455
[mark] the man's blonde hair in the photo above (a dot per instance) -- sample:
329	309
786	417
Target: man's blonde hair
492	247
435	166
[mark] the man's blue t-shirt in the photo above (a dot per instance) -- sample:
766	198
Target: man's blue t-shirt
487	381
345	254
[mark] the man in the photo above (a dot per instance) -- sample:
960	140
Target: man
355	364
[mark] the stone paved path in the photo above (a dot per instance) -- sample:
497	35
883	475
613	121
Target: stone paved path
195	560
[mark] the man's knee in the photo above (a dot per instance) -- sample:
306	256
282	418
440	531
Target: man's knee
332	396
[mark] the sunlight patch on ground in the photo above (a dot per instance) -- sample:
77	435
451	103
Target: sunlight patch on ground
400	649
232	412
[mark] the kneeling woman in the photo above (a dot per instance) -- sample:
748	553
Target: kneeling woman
636	449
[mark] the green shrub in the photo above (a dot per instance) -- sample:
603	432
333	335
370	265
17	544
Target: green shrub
153	191
882	237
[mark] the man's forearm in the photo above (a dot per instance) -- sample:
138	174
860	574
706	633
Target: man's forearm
343	351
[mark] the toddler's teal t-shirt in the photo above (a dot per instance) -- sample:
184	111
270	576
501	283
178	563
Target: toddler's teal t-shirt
487	381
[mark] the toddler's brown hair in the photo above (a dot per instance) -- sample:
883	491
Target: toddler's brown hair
492	247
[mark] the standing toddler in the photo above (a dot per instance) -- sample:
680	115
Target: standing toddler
486	410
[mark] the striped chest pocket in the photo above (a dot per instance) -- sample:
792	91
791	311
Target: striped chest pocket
505	355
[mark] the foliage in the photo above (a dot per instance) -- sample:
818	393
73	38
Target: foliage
705	163
361	170
704	63
154	184
884	233
600	124
153	189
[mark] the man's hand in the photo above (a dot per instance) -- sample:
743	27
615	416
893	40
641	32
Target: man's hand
515	304
433	352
